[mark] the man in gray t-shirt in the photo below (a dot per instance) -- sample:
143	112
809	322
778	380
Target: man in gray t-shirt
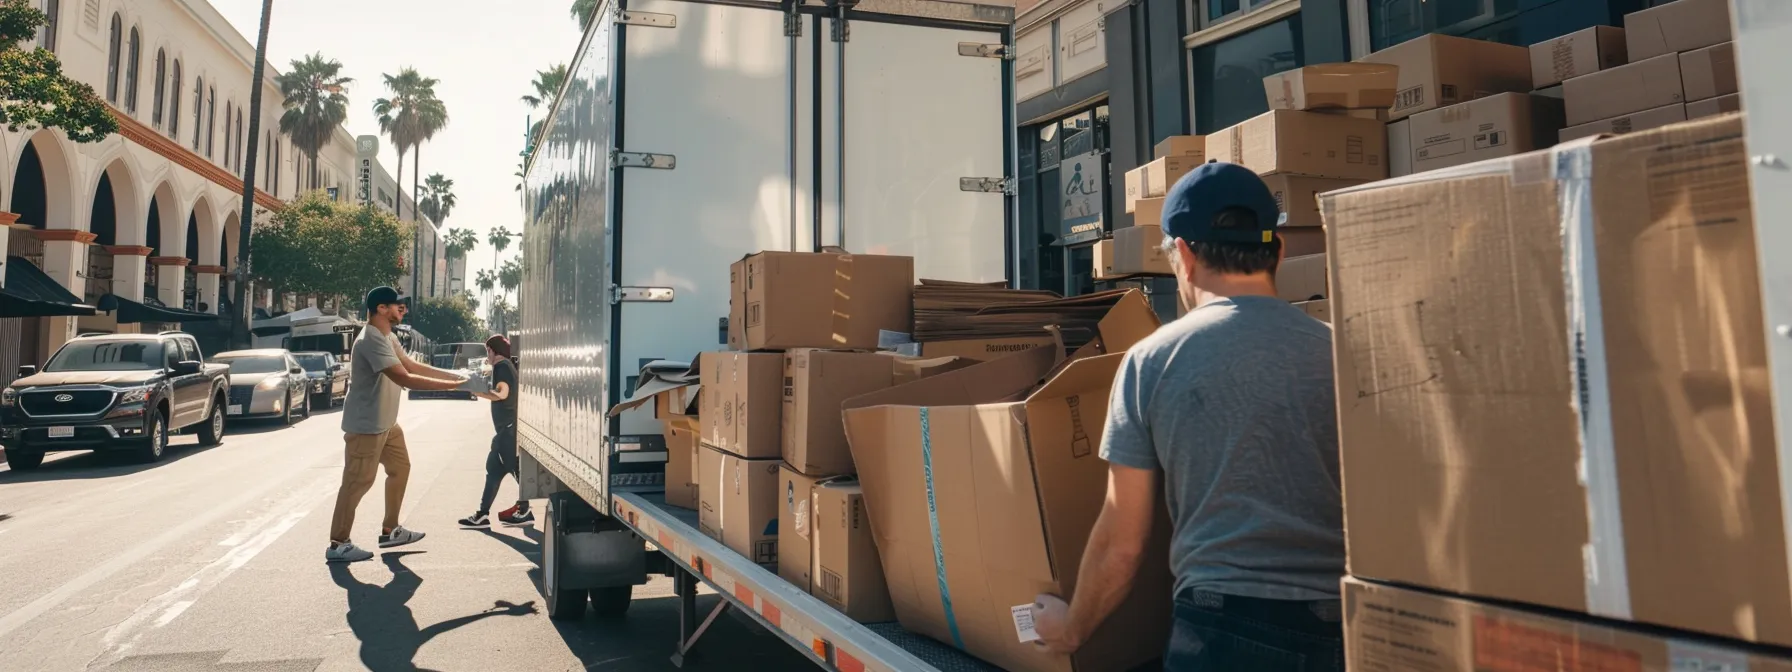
1232	407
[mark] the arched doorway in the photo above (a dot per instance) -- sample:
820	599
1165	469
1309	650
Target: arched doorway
41	197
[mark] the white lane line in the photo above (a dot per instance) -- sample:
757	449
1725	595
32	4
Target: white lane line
173	612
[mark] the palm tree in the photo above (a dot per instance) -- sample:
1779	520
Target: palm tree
500	240
521	175
315	105
583	11
409	117
547	86
510	275
456	244
239	328
486	279
437	199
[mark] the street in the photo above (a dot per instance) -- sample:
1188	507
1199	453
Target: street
213	560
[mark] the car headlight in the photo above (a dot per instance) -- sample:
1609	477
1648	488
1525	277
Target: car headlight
270	383
136	395
9	397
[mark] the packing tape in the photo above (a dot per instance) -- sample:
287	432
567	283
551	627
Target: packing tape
1607	570
841	318
933	520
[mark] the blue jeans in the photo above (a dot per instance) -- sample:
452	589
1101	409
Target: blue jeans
1216	632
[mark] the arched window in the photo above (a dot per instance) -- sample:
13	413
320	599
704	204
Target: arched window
227	134
241	149
198	111
155	114
46	36
211	121
174	102
133	54
112	51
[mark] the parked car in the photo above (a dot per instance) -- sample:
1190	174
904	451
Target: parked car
267	383
113	392
327	376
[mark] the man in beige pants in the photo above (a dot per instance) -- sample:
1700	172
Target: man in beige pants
379	368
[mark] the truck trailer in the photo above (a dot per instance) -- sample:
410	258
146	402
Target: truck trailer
689	134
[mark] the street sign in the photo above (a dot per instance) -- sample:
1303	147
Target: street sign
367	148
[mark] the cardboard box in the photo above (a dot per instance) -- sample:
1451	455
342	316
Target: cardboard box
1320	309
782	300
1300	241
1400	148
964	474
1181	145
1677	26
738	504
1438	70
1333	86
1710	107
1305	143
985	349
848	574
1148	212
796	528
1578	53
1466	465
681	461
1135	187
906	370
1502	124
1393	628
815	382
743	402
1102	267
1640	121
1301	278
1709	72
1297	196
1550	91
1642	85
1379	114
1136	250
1162	173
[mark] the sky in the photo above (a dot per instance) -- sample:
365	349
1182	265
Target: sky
485	53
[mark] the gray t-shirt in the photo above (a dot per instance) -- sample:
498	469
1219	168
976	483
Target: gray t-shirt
1234	403
372	405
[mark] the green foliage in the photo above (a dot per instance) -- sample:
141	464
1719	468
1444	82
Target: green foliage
438	198
447	320
583	11
319	246
315	104
510	275
486	279
33	91
547	86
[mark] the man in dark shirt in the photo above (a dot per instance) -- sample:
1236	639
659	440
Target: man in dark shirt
502	459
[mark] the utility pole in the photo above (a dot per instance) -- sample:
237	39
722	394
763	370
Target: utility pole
239	329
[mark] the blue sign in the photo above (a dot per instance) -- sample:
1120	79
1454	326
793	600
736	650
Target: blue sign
1080	179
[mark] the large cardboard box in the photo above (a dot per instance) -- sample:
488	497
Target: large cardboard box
1305	143
1181	145
848	574
1438	70
1301	278
985	349
1400	148
1333	86
1578	53
1709	72
782	300
1640	121
1505	435
796	527
1677	26
1300	241
1154	179
1639	86
1320	309
1502	124
681	461
1135	188
1297	196
1393	628
1137	249
1710	107
738	504
1149	212
743	402
982	491
815	382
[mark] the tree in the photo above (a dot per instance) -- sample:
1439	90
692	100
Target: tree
447	320
404	118
472	301
547	86
486	279
456	244
316	105
437	200
239	331
510	275
521	175
318	246
503	315
583	11
500	239
33	91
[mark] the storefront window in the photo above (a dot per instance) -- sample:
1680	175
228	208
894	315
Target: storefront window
1212	12
1076	143
1229	74
1394	21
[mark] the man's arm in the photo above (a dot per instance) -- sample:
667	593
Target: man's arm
419	368
499	393
1110	561
397	373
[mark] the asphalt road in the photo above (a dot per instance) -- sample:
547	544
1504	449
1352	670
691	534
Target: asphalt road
213	560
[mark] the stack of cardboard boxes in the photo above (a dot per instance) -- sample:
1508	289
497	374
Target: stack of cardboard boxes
1554	417
1137	250
1670	63
1453	106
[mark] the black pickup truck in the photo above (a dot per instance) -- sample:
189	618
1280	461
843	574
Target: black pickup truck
113	392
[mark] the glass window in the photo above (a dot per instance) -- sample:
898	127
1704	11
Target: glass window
46	36
133	55
174	102
198	111
211	121
1229	74
189	350
161	90
1394	21
1212	12
1050	153
264	364
132	355
113	48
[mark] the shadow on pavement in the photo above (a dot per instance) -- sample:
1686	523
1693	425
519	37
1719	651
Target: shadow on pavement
106	463
381	617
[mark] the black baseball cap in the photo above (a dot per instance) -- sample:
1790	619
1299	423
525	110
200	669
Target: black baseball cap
1196	200
383	295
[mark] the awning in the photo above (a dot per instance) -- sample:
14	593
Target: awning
132	312
31	293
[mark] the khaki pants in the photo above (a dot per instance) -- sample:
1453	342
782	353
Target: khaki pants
361	462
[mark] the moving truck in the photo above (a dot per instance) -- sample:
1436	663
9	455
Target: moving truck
690	134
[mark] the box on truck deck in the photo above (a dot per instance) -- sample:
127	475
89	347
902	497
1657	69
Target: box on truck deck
1181	145
1148	212
1394	628
848	574
1297	196
1502	124
1684	25
1578	53
1300	241
985	349
796	528
782	300
681	461
1639	121
1709	72
1438	70
739	504
982	491
815	382
1711	107
1305	143
1301	278
1464	350
1341	86
743	402
1639	86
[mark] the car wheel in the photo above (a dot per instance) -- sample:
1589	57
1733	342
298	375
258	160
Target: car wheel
307	405
286	415
19	460
158	439
212	432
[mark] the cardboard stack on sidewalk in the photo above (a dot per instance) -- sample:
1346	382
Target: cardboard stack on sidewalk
1134	250
1438	113
1675	63
1520	435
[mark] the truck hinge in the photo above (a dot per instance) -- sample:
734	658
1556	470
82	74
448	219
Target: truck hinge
793	21
842	30
621	159
621	294
987	185
648	19
978	50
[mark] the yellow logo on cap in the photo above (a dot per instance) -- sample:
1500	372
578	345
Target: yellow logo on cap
1269	236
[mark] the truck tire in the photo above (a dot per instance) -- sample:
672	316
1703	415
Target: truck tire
158	439
211	432
286	415
19	460
612	601
564	604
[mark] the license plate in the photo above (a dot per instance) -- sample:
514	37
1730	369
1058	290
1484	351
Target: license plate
235	409
62	432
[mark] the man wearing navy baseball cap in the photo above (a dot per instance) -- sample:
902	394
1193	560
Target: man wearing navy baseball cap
1232	408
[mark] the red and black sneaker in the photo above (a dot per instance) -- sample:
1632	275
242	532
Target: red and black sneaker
516	516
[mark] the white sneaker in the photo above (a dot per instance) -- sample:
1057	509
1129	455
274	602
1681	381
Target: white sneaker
399	537
347	552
